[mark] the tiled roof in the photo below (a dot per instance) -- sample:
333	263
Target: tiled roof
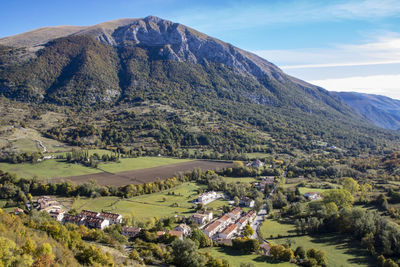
225	218
175	233
109	215
89	213
212	226
229	229
131	229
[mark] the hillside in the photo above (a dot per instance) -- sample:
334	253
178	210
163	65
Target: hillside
162	84
381	110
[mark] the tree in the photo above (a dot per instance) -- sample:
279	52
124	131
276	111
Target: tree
248	230
318	255
342	198
236	201
300	252
200	238
351	185
185	253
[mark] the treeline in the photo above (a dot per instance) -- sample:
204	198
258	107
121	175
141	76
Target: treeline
20	157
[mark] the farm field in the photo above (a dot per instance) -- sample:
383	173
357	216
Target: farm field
339	250
235	258
145	175
146	206
47	169
127	164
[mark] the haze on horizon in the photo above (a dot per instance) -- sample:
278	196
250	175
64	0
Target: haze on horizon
339	45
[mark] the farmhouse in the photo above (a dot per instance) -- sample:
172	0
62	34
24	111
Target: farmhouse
178	234
185	229
229	231
112	217
57	214
313	195
46	202
130	231
208	197
202	217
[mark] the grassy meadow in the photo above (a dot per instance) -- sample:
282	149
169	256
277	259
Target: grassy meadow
146	206
339	250
235	258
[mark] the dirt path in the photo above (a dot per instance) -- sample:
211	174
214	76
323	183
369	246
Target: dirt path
145	175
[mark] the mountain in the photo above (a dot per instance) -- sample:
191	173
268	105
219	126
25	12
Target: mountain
216	94
381	110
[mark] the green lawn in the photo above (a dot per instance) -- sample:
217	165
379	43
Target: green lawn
146	206
218	204
235	258
127	164
54	168
339	250
275	228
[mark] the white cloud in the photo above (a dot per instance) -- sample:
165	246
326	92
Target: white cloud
388	85
385	50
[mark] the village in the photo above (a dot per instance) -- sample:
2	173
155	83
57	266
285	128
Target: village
221	229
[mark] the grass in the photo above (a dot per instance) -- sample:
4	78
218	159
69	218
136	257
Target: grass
257	155
146	206
339	250
239	179
54	168
127	164
304	190
275	228
235	258
47	169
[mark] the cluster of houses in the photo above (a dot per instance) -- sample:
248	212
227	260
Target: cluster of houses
93	219
229	224
208	197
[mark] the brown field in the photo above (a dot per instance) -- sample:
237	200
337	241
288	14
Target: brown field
145	175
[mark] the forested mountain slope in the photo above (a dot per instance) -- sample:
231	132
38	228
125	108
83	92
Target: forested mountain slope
129	63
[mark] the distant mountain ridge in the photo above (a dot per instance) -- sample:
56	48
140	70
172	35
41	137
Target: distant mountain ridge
381	110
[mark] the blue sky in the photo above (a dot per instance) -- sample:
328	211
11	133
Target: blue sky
349	45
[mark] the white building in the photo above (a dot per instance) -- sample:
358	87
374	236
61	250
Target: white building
229	231
213	228
208	197
313	195
112	217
